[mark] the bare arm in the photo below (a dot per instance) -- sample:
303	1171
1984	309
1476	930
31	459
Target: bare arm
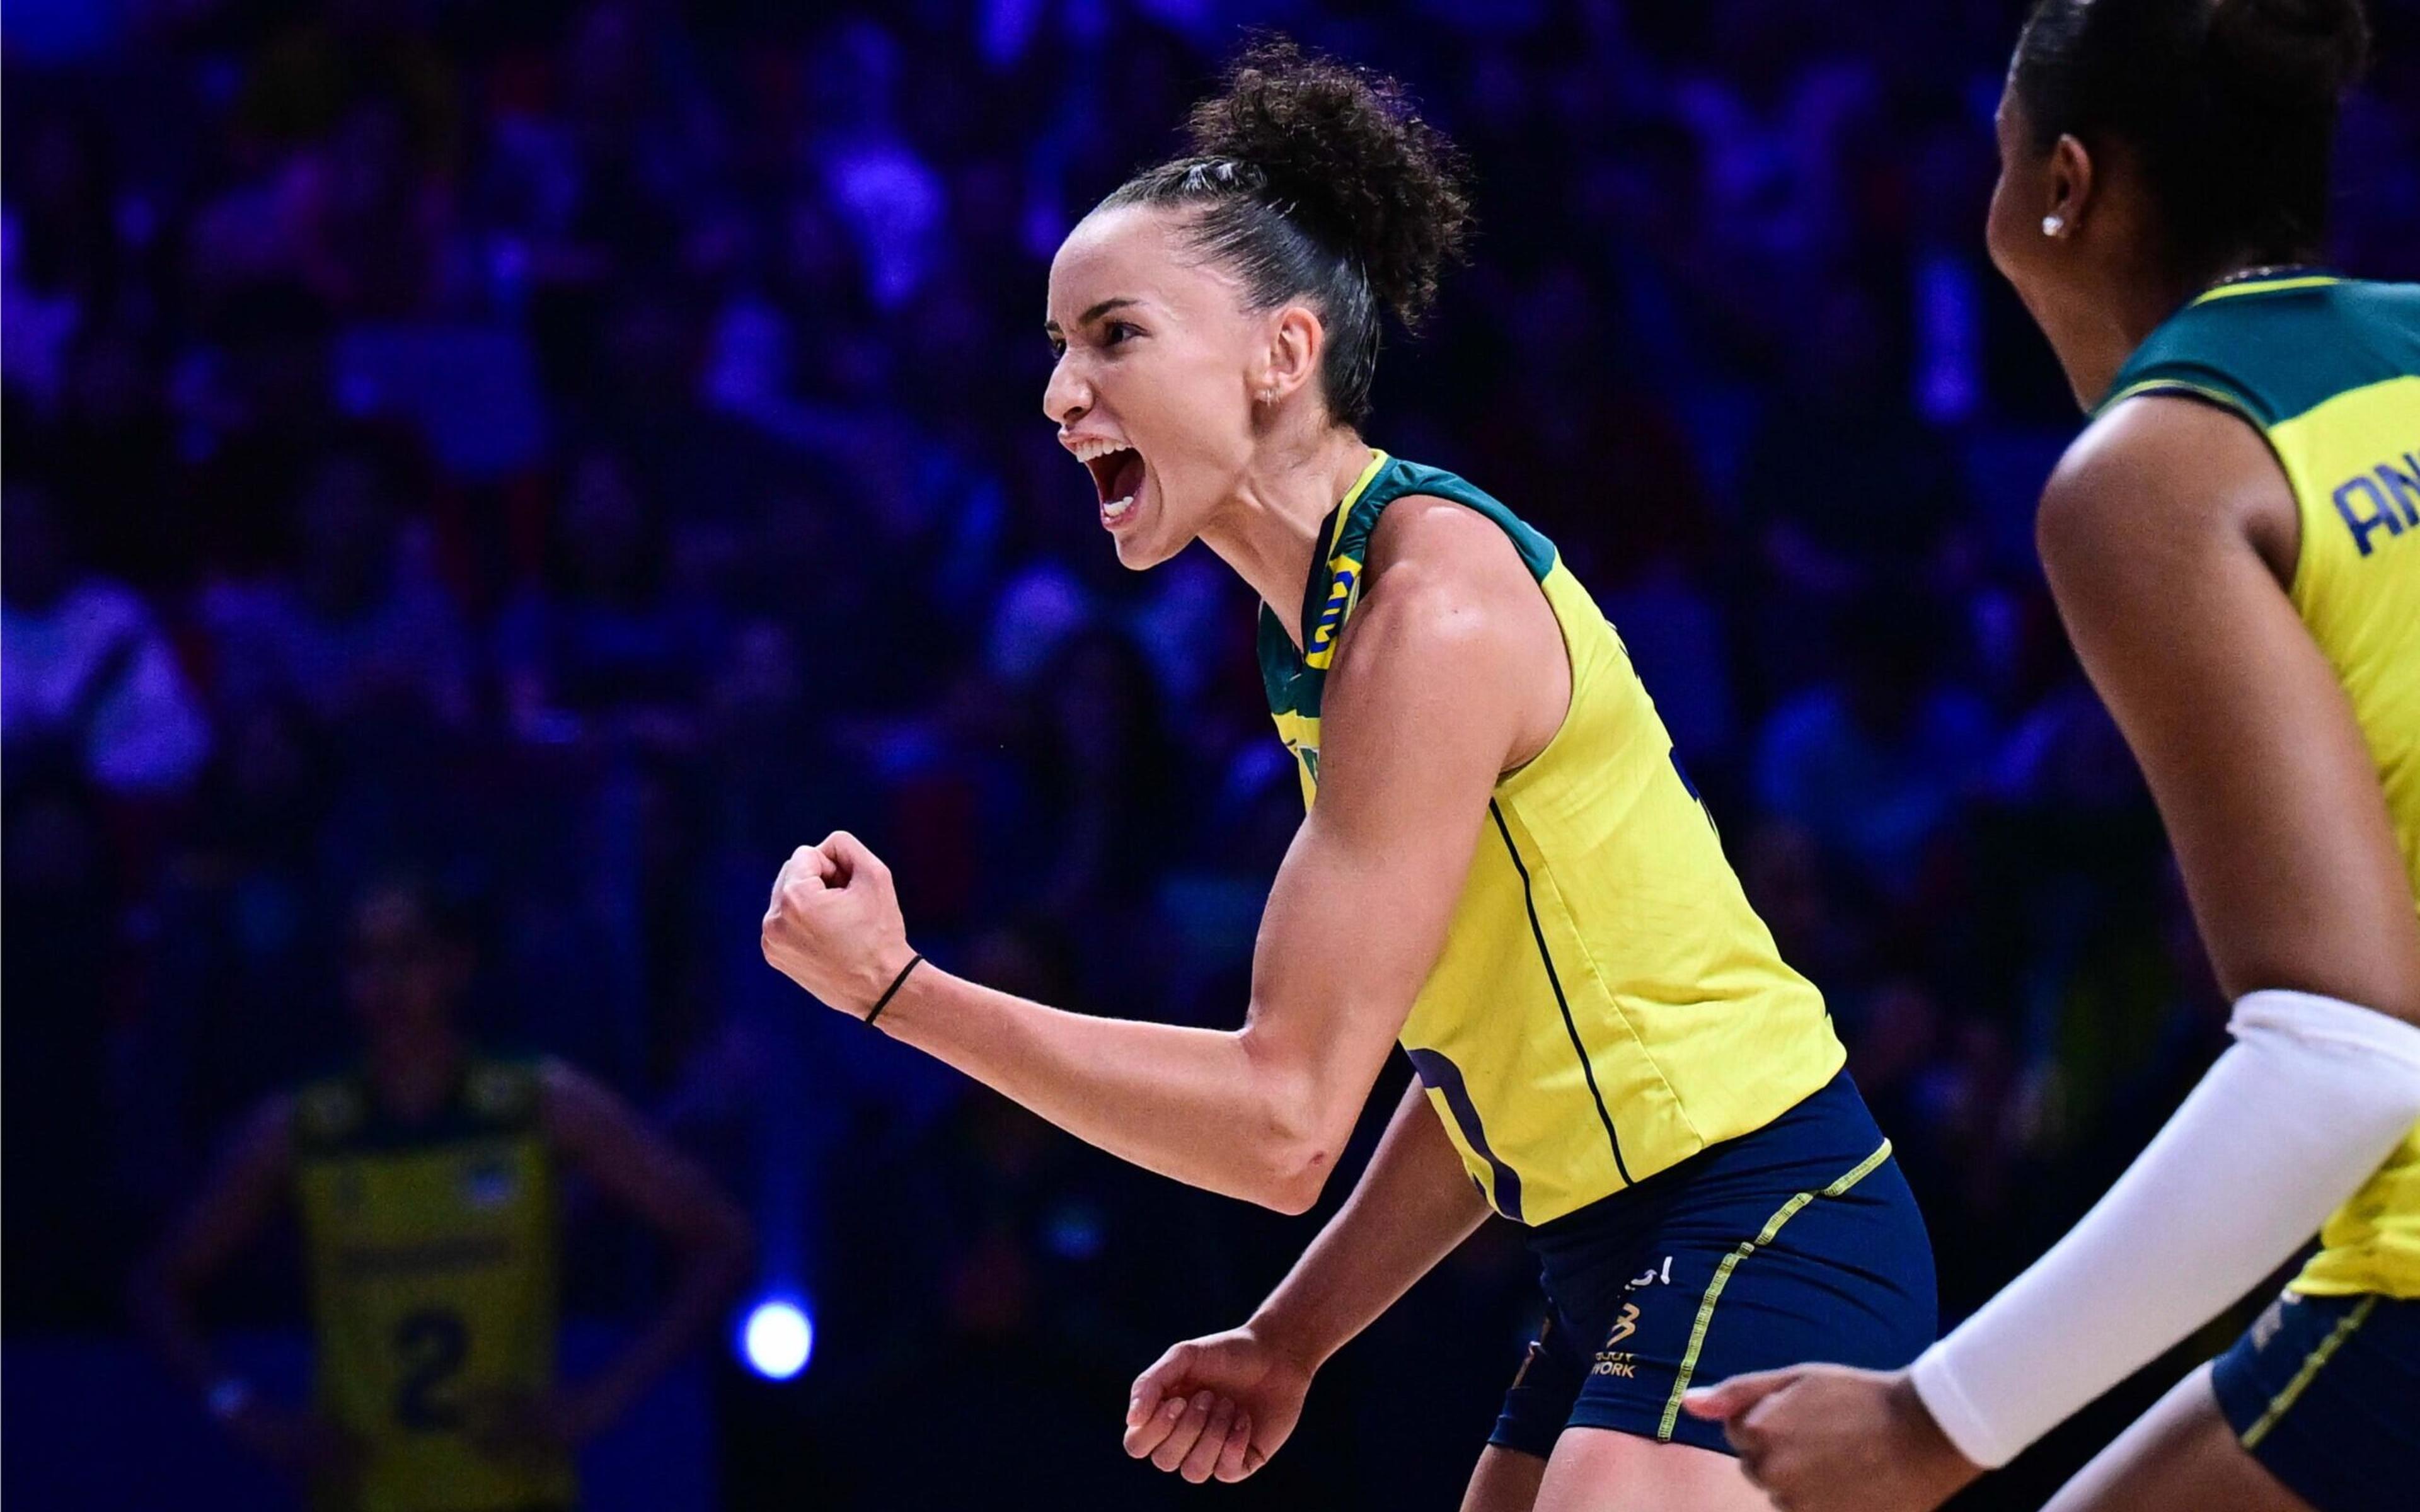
1222	1404
243	1190
237	1200
1436	688
591	1128
2163	532
2167	532
1413	1205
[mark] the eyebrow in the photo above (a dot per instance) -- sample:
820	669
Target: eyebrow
1094	313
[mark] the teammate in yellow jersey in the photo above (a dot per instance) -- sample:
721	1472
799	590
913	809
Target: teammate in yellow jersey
1504	869
2234	545
425	1184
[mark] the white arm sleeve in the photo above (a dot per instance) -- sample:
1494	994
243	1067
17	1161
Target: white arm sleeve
2302	1110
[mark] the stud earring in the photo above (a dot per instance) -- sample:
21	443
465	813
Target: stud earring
2054	224
1268	395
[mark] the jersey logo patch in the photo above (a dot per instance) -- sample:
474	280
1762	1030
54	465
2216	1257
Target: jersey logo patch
1322	649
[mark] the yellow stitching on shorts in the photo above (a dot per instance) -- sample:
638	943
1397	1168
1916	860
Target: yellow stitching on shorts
2284	1399
1723	1275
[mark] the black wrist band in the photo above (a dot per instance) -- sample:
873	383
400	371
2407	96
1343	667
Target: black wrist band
893	991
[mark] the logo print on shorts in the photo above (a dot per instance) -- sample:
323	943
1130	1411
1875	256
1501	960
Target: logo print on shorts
2271	1318
1625	1325
1613	1362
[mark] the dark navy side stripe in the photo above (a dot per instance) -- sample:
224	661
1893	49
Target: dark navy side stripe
1437	1071
1587	1068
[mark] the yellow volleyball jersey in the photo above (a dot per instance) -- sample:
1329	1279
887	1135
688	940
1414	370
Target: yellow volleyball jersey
432	1253
1607	1003
2329	370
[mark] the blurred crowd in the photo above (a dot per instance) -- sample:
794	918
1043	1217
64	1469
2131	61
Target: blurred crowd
585	448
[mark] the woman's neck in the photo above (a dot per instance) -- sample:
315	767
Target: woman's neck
2105	328
2098	332
1270	527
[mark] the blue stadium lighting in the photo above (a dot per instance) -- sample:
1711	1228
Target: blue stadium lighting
778	1339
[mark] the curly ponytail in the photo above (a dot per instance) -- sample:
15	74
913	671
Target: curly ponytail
1316	181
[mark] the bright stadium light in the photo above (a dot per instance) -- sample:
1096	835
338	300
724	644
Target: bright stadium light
778	1339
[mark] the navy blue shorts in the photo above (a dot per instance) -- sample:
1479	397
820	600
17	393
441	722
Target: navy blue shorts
1797	1242
2325	1392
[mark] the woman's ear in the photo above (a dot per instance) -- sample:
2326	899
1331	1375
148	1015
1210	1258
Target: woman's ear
1296	341
2071	182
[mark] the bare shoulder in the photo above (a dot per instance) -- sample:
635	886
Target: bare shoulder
1438	569
1451	620
1428	537
2162	476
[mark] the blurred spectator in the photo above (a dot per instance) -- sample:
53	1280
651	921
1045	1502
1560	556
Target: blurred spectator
87	682
1874	760
361	632
599	651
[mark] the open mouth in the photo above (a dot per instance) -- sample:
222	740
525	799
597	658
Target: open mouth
1118	474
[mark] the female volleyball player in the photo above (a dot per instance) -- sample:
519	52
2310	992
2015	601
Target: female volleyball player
2234	545
1504	869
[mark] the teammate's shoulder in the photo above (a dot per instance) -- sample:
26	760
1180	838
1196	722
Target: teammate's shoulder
2384	299
2388	315
2273	351
2158	466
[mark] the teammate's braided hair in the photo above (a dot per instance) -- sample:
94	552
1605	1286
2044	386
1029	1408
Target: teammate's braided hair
1316	181
2231	105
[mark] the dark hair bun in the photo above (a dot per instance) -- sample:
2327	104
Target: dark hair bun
2291	52
1344	156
